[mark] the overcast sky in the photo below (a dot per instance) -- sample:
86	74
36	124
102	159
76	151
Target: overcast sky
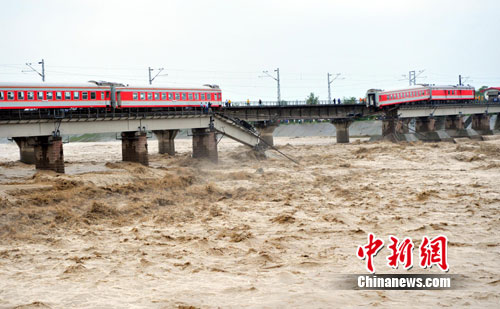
371	43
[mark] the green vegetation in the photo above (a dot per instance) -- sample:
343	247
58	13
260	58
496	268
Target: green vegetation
351	100
312	99
480	93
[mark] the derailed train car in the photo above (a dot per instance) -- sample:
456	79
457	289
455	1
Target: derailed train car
420	94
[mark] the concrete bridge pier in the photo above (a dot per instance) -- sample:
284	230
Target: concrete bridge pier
393	128
135	147
402	125
166	141
205	144
425	127
496	128
481	124
342	128
48	153
455	126
26	149
266	129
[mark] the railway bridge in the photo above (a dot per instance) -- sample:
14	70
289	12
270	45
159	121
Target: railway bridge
432	122
38	134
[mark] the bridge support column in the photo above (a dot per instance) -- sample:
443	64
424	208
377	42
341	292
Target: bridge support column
166	141
496	128
393	128
455	126
135	147
26	149
205	144
402	125
426	128
266	129
48	153
481	124
342	128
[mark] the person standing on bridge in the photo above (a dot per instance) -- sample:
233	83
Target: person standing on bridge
248	102
229	103
260	102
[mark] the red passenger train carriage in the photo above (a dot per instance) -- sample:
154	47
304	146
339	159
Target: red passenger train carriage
103	95
420	94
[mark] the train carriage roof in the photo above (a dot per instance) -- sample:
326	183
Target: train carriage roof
94	86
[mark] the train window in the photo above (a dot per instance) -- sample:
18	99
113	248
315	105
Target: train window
183	96
157	96
170	97
31	95
92	95
10	95
20	95
76	95
202	97
67	95
190	96
85	95
163	96
196	96
142	95
58	95
150	96
50	95
177	96
39	95
102	95
134	96
1	95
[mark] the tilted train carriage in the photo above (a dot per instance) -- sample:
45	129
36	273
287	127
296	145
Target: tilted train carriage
420	94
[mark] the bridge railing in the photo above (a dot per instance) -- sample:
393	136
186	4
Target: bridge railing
285	103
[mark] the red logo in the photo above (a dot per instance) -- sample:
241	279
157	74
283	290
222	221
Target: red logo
370	250
432	252
401	253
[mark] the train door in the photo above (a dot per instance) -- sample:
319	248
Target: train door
371	98
119	99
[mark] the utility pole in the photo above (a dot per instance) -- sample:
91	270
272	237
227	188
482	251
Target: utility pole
151	70
412	77
34	70
276	79
460	80
329	83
